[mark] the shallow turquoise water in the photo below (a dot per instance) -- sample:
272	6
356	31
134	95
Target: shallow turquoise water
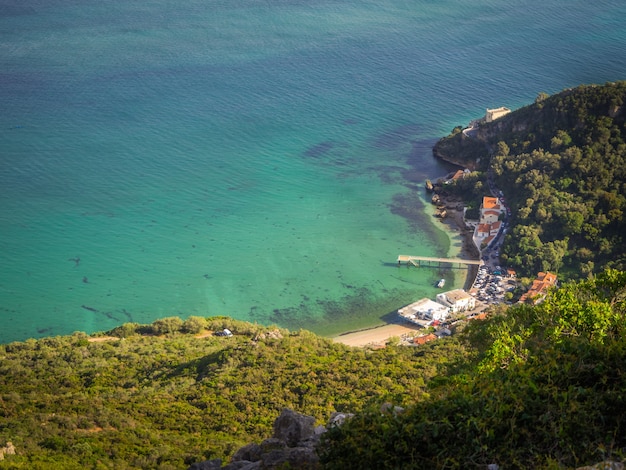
252	159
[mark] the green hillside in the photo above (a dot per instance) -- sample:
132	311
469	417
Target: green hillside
531	387
547	390
167	395
561	164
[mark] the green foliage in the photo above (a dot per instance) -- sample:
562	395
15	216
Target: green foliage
194	325
561	163
547	391
159	398
531	387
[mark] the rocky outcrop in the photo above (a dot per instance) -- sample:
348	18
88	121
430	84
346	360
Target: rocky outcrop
8	449
269	335
293	445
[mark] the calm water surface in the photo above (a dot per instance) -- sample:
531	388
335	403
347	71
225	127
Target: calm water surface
262	160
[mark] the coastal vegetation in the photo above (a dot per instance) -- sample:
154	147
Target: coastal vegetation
561	164
530	387
172	393
545	390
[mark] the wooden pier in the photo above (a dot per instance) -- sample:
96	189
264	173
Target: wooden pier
419	261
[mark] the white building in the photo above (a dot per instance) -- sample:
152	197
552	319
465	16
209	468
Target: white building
490	216
424	312
457	300
493	114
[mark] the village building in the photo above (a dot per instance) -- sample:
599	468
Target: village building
424	312
493	114
419	340
490	206
490	216
495	227
459	174
457	300
537	292
480	316
442	332
489	224
484	234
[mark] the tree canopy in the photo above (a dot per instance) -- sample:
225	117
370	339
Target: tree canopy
561	164
546	391
172	393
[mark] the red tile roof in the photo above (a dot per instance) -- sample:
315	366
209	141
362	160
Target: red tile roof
539	286
424	339
491	202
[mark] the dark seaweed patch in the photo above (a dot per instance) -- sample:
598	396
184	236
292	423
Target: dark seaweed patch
389	174
319	150
410	207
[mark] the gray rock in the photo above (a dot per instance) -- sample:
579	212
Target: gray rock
389	408
303	457
319	430
293	427
337	419
251	452
242	465
272	444
292	446
214	464
294	457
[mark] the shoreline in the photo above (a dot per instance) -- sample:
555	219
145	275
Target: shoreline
454	226
376	336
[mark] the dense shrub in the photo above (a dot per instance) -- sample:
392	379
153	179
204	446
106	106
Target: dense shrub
547	393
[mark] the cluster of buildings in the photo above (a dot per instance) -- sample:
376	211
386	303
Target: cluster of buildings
489	282
490	222
426	312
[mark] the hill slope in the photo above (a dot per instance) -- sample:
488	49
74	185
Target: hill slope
165	395
561	163
547	392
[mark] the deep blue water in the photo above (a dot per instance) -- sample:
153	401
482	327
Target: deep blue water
262	160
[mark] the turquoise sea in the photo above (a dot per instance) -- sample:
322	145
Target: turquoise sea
262	160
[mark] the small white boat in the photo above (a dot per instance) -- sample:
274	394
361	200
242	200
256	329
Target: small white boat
441	283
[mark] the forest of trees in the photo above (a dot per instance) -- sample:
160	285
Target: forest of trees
167	395
561	163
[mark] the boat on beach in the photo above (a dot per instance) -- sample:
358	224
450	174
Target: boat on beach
441	283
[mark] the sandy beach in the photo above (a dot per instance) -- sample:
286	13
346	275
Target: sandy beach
376	336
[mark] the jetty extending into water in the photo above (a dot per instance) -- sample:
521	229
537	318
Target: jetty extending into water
427	261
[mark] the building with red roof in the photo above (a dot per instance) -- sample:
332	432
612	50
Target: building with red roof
539	288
